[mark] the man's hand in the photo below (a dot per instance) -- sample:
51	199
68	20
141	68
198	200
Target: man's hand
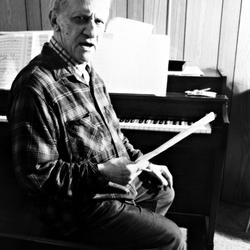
162	172
121	170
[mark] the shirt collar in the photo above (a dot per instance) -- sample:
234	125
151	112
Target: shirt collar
61	52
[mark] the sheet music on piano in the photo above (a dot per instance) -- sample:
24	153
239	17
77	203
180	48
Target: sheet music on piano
16	50
133	60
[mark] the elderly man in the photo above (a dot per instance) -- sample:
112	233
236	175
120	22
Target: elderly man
68	151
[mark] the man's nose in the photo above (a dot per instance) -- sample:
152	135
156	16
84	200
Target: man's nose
90	29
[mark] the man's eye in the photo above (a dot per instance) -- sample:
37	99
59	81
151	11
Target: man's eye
99	21
80	19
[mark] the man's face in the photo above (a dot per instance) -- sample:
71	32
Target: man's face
80	24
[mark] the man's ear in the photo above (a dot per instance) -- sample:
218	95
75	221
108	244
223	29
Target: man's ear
53	21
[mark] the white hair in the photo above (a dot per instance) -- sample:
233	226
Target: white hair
59	5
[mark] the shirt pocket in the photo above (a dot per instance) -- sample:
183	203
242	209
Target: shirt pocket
84	136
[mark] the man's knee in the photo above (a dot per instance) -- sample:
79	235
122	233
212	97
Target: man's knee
170	194
165	199
167	195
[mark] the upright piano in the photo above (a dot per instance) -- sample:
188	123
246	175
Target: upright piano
197	161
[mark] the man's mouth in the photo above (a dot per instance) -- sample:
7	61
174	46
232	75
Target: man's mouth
87	45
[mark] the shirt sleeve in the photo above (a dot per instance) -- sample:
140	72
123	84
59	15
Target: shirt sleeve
40	157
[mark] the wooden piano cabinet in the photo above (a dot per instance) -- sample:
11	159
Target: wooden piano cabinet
208	157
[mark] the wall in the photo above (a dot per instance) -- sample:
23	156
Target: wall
234	60
209	33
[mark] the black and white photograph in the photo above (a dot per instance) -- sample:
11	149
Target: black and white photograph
124	125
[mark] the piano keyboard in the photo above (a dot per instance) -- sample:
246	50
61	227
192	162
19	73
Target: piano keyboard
159	125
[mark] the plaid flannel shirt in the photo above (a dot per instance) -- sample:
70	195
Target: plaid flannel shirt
62	127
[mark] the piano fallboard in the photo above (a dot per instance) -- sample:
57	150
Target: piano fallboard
173	106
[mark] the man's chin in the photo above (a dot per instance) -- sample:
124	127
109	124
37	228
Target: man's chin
86	57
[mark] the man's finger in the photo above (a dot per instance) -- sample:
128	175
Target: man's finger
168	177
163	180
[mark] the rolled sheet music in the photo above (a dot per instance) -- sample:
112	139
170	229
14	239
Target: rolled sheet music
183	134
